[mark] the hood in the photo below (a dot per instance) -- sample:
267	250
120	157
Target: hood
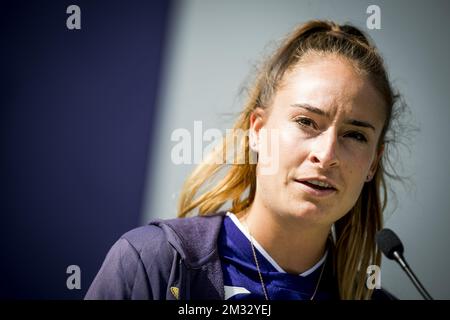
194	238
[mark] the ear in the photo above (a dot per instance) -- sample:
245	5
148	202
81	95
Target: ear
257	121
375	162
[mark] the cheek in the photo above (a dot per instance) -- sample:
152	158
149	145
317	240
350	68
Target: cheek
355	168
286	143
293	149
279	146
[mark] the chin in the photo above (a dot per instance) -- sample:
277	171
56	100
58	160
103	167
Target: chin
308	210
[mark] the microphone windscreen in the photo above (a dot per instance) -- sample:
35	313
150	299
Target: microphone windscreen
388	242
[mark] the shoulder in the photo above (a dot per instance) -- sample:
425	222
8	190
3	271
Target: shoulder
123	274
144	239
140	263
191	239
194	239
188	231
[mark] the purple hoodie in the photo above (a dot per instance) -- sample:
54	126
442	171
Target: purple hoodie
168	260
150	261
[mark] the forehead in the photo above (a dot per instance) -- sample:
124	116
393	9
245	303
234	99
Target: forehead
334	84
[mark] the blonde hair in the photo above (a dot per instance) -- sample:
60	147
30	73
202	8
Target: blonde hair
354	246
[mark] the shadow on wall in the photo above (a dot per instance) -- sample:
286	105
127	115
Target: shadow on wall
77	108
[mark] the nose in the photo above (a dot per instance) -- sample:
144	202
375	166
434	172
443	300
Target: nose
324	150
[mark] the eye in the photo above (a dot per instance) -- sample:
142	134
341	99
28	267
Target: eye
357	136
306	122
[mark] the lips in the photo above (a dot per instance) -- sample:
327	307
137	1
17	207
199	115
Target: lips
317	186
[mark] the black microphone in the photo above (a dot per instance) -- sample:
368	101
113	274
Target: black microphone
392	247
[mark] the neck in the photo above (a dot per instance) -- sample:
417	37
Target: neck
294	244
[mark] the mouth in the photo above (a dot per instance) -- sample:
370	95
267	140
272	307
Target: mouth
316	187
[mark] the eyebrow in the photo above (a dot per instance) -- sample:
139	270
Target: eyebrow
320	112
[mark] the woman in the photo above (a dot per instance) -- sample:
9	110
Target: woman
303	218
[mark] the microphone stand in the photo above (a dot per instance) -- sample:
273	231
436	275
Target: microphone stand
402	262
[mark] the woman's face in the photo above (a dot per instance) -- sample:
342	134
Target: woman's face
322	127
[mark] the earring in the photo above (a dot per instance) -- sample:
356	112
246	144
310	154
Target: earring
369	177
